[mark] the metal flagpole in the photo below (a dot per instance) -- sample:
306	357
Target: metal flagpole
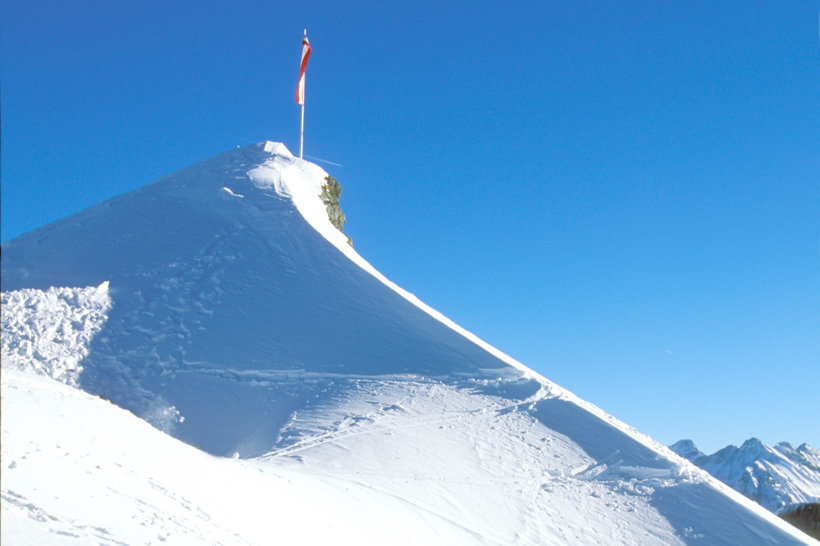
302	126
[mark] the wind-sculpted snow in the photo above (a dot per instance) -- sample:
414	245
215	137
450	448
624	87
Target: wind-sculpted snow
236	302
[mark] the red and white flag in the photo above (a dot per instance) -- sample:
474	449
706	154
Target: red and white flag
300	89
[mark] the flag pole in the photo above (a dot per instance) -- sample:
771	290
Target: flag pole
302	129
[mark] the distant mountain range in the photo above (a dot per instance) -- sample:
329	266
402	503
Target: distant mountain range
777	477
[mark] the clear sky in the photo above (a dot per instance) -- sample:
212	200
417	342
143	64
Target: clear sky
622	195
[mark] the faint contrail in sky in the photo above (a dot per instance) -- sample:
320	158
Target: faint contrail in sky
323	160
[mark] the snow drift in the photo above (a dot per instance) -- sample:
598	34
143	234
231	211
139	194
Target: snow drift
242	323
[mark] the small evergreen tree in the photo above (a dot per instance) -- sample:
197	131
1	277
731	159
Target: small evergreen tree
331	191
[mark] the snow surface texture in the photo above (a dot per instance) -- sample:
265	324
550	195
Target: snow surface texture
49	332
353	409
114	479
778	477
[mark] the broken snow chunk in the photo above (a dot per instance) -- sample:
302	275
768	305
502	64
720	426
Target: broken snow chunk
48	332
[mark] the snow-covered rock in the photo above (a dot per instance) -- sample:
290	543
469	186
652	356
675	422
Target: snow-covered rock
778	477
237	303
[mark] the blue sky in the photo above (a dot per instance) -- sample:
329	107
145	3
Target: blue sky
622	195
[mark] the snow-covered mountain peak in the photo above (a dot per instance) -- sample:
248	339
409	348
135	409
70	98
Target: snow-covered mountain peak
777	477
753	444
275	148
235	302
686	449
229	273
299	180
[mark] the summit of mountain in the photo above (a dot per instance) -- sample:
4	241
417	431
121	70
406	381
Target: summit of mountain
222	305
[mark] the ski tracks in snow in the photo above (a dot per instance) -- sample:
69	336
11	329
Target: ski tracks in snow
449	450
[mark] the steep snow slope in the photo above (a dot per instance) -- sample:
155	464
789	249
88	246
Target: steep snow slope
238	305
77	468
777	477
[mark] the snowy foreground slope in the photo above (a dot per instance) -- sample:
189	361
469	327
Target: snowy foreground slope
79	469
778	477
319	402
